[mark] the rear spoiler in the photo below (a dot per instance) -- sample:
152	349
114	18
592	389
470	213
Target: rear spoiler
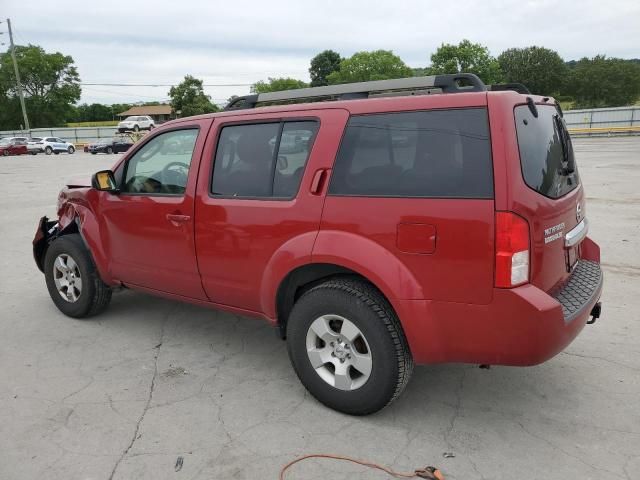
516	87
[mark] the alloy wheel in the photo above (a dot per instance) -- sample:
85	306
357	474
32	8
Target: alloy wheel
339	352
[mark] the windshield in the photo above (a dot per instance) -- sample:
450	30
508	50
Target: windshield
130	119
546	152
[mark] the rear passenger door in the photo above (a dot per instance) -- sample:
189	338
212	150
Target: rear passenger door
420	184
260	198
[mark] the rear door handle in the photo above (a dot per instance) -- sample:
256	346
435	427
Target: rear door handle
318	181
177	218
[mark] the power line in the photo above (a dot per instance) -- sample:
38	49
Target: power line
162	84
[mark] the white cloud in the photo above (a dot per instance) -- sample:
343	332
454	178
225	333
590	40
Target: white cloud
245	41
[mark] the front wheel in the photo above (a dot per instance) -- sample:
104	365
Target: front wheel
6	153
33	152
109	150
48	150
71	150
72	279
347	346
136	128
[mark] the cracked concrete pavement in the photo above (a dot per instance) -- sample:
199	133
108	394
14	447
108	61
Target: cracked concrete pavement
123	395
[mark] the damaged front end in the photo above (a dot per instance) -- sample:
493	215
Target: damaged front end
46	232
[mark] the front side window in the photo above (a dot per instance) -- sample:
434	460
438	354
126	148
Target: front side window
262	160
438	153
161	166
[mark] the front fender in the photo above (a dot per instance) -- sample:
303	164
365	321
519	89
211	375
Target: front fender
76	212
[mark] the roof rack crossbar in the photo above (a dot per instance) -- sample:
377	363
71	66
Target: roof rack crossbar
454	83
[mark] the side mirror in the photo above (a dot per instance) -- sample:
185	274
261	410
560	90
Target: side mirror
104	181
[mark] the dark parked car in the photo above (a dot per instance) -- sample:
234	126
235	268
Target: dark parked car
13	146
113	145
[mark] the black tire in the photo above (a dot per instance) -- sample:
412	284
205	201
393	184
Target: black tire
33	152
71	150
6	153
136	128
55	152
94	153
151	127
363	305
95	294
48	150
109	150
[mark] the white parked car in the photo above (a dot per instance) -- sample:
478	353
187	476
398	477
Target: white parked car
136	123
50	145
34	145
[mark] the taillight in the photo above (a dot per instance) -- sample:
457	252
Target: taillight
512	250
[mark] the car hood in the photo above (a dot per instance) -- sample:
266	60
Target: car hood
80	181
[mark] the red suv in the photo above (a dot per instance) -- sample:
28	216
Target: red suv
377	224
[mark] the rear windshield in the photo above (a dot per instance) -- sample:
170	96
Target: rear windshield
546	153
438	153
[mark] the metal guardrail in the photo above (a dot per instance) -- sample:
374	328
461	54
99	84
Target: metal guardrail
76	135
604	121
598	121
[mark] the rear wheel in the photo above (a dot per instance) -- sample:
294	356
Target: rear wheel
347	346
71	150
72	279
5	153
48	150
109	150
136	128
33	152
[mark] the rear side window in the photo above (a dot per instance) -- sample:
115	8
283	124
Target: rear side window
438	153
264	160
546	152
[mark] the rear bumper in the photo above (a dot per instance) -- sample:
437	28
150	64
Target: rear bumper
521	326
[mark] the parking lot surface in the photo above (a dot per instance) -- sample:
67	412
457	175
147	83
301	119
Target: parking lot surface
123	395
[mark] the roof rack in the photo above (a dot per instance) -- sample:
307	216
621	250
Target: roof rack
455	83
516	87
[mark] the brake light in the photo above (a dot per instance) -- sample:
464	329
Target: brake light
512	250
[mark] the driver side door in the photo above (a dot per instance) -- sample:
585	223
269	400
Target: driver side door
149	223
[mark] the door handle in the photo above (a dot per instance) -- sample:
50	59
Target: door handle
177	218
318	181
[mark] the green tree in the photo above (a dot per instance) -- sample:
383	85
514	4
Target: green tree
96	112
366	66
542	70
51	87
466	57
323	65
277	85
188	98
604	82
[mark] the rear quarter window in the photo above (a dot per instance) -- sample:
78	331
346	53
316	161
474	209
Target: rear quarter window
544	157
434	154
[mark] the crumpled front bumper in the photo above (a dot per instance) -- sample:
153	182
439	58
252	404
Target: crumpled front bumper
46	230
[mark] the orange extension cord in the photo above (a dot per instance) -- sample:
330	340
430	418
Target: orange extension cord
430	473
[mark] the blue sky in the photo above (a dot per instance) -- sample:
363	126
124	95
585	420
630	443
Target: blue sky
241	42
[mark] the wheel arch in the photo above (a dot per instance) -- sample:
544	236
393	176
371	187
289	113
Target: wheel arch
305	277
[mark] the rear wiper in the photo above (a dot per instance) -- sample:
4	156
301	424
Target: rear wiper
568	165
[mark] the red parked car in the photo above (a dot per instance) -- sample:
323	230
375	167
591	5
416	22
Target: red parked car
12	146
420	220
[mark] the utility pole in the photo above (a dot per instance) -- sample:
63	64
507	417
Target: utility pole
15	66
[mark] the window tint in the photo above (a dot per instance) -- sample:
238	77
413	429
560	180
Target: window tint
439	153
545	151
162	164
262	160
